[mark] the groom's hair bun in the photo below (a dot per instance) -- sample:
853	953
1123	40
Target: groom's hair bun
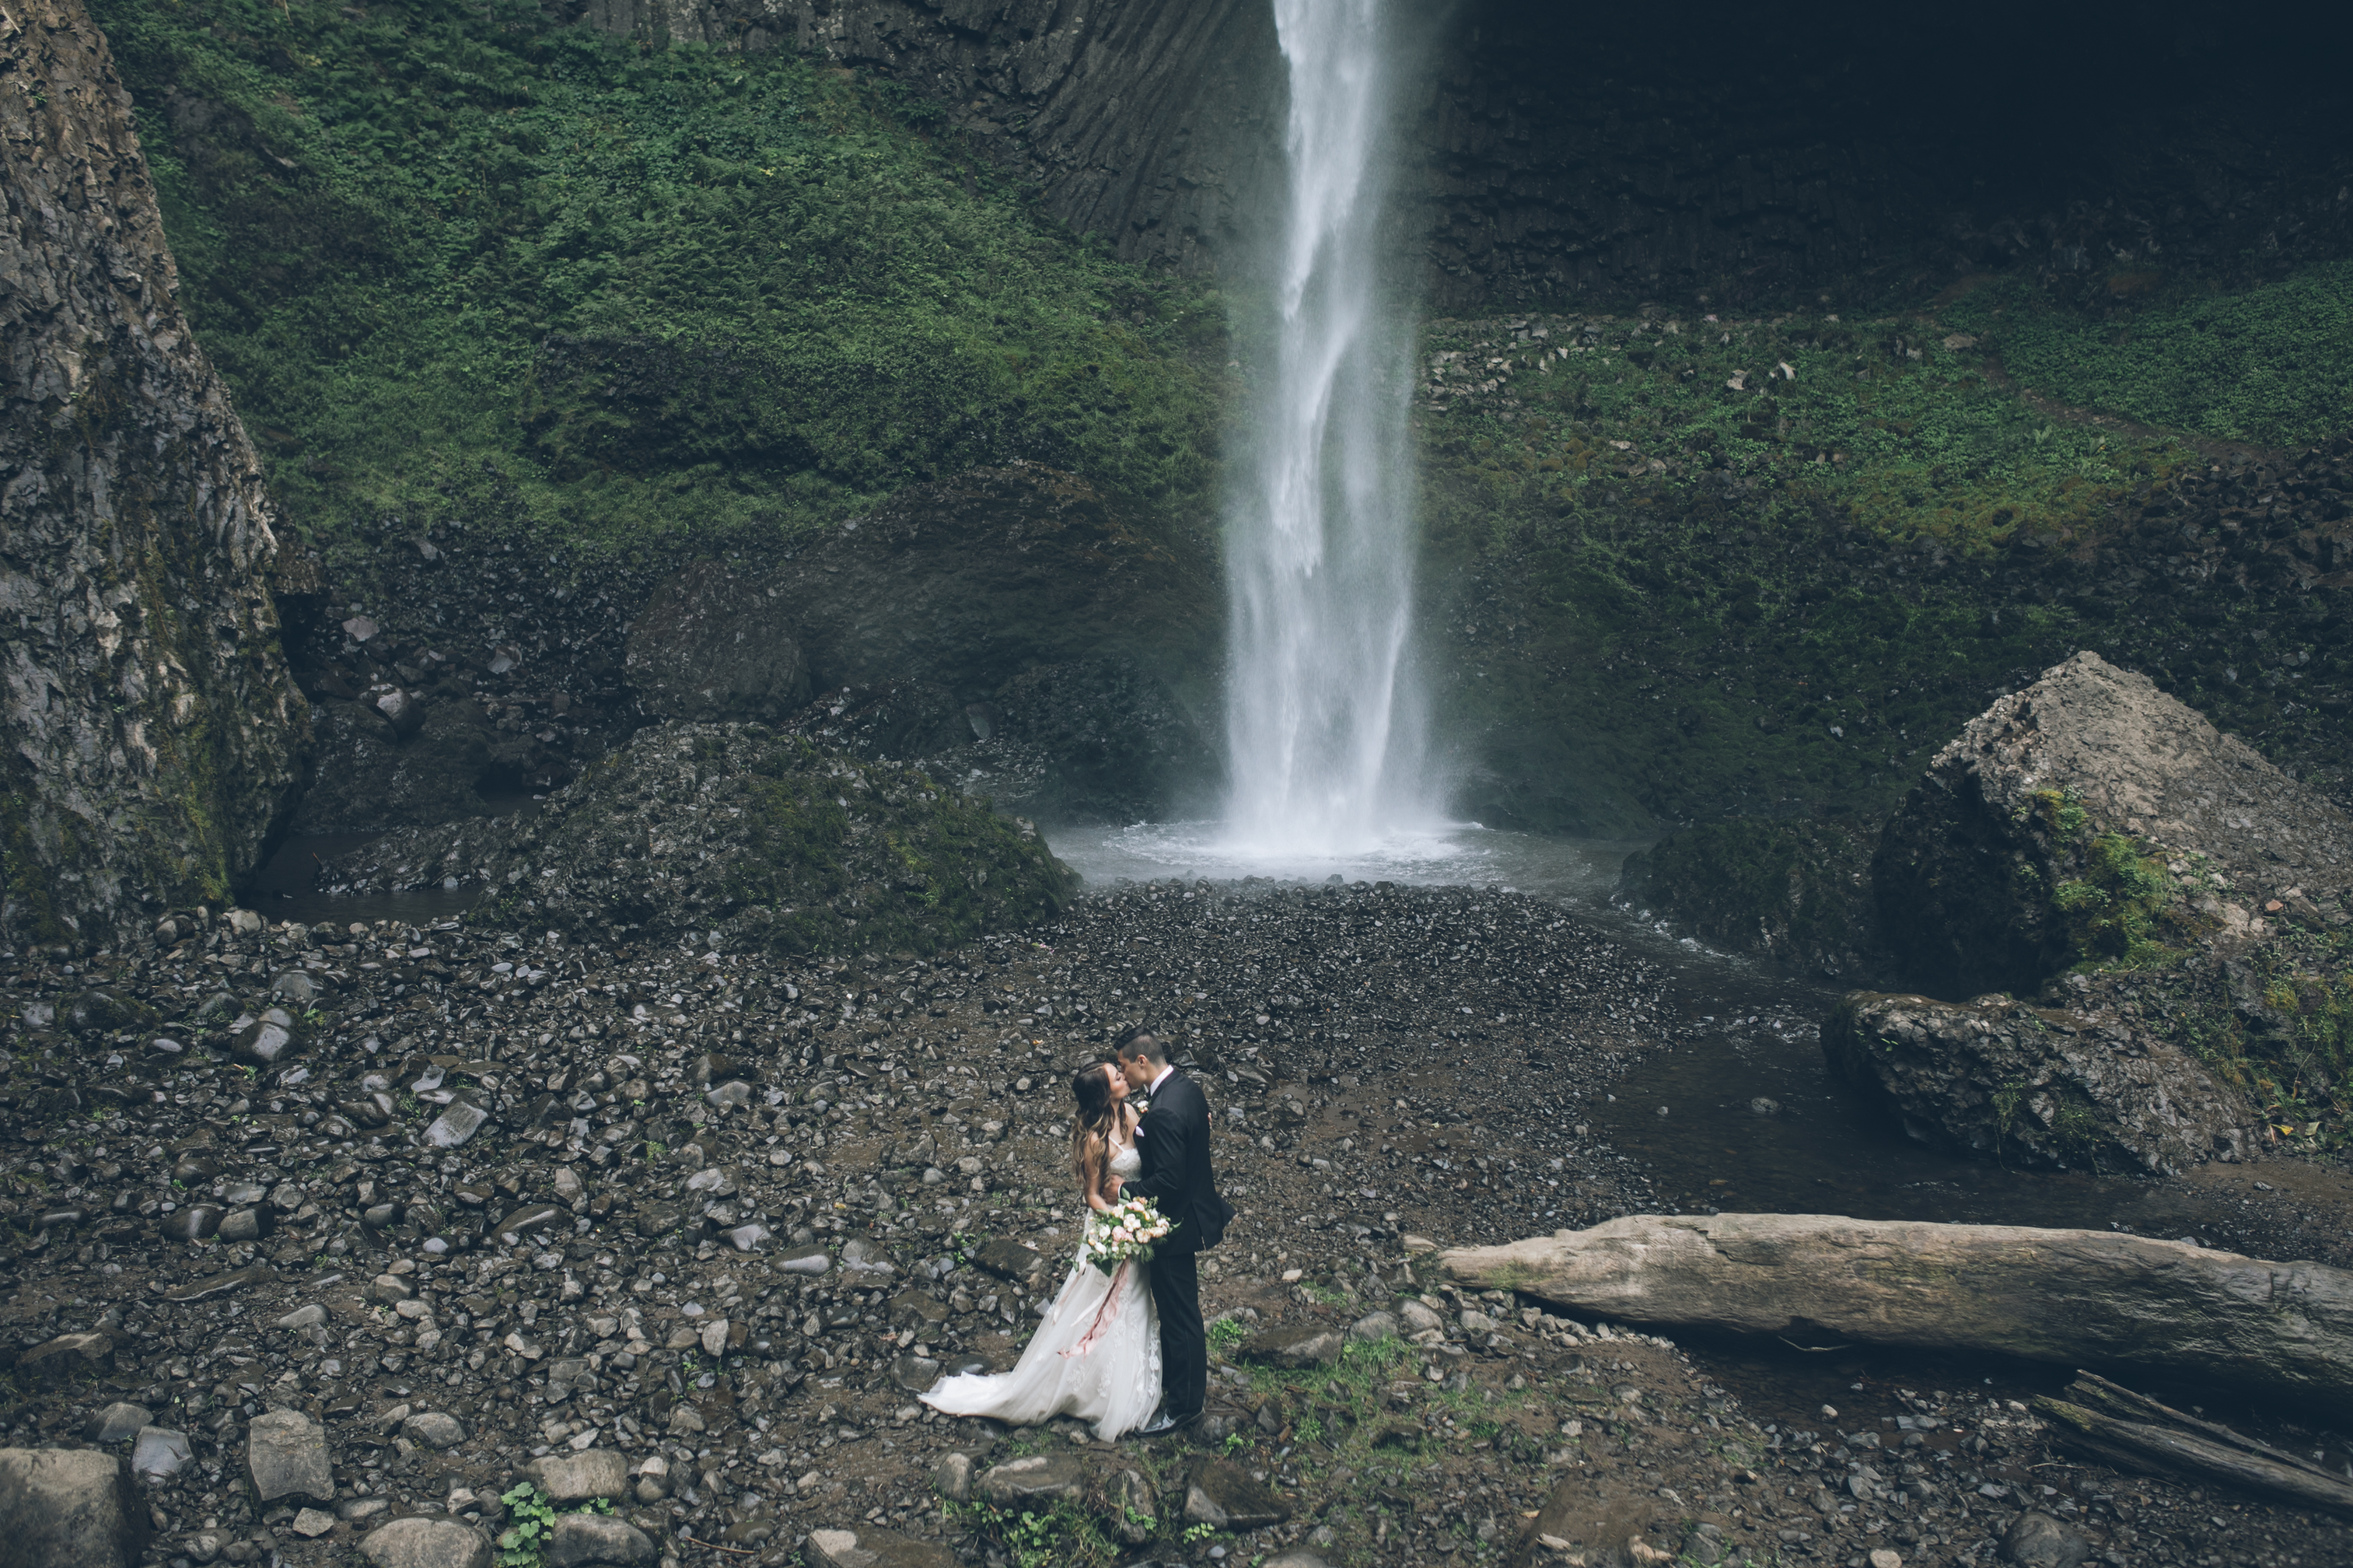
1135	1040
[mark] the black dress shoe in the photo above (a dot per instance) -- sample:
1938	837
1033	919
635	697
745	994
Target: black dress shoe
1164	1422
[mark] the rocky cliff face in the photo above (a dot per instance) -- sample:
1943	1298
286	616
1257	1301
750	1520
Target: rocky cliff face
1148	123
153	735
1548	154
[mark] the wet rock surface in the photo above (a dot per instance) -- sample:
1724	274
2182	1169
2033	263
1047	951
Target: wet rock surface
712	645
620	1259
153	736
2041	1085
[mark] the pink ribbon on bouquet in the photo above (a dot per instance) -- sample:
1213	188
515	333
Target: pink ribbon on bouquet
1103	1315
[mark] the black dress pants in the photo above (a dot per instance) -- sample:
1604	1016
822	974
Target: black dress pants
1184	1343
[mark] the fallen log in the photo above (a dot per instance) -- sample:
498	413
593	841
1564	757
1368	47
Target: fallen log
2076	1296
2131	1431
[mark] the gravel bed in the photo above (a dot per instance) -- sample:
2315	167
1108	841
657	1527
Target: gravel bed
472	1199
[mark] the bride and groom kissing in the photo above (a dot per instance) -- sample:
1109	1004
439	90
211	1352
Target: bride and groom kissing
1125	1351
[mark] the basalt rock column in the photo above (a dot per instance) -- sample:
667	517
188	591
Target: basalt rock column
152	731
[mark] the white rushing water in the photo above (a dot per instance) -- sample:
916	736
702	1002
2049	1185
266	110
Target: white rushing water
1324	727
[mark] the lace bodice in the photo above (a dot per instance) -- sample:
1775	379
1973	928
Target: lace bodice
1127	1164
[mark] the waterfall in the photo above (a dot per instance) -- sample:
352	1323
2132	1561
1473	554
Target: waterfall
1323	723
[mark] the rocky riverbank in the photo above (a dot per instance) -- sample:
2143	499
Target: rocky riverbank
471	1200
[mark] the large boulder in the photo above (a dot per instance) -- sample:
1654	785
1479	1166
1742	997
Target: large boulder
2077	1298
78	1508
714	644
2169	899
2091	818
735	828
150	734
2098	1090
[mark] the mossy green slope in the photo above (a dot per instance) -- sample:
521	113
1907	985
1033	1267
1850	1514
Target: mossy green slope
1763	567
663	291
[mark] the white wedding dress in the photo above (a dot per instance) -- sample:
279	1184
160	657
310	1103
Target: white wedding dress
1097	1356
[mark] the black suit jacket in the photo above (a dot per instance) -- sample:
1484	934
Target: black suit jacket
1174	1140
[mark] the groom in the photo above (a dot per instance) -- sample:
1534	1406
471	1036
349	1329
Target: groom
1174	1140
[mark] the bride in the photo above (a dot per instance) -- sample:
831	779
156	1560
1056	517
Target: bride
1097	1354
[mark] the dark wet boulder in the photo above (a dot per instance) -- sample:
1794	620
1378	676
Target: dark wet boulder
2081	1089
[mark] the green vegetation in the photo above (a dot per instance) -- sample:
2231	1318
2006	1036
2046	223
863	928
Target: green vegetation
524	1541
2271	365
661	292
2281	1032
1763	567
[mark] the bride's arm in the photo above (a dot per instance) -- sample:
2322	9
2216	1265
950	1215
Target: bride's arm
1094	1175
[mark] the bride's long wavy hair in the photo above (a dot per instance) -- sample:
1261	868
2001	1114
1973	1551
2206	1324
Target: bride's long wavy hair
1098	1111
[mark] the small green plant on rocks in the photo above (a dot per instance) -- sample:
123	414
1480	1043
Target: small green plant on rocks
532	1520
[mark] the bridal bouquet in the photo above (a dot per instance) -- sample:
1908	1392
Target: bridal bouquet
1123	1232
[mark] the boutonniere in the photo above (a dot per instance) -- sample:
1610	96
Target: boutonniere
1143	1103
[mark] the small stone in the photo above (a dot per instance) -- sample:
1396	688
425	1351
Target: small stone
747	1236
115	1423
68	1507
874	1548
579	1538
1135	1508
2038	1540
297	989
863	1257
809	1259
915	1372
286	1456
246	1224
715	1337
267	1040
67	1359
1886	1558
728	1095
1763	1105
1373	1327
1223	1496
952	1475
426	1543
158	1454
1294	1346
310	1317
454	1126
569	1188
1420	1318
1037	1479
1297	1557
528	1218
570	1479
313	1523
1478	1325
433	1429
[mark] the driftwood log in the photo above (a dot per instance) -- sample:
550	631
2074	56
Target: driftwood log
2133	1432
2079	1297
